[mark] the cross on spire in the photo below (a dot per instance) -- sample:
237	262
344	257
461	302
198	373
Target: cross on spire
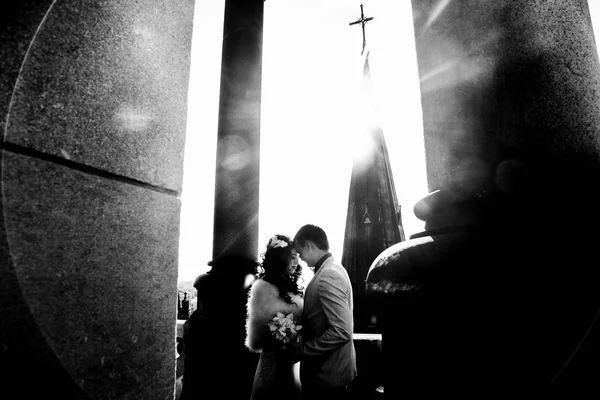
363	21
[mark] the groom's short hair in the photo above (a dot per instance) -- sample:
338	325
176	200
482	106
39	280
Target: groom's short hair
313	233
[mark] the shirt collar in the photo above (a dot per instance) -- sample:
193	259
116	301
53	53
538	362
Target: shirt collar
321	261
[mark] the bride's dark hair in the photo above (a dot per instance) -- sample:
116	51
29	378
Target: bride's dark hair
273	268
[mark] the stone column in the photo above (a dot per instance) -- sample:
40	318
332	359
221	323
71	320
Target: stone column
504	80
94	115
237	169
498	293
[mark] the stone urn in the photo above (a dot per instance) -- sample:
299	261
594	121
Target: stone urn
499	293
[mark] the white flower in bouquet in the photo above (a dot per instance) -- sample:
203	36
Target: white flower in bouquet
283	328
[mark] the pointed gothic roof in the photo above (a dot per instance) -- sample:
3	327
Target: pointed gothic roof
373	221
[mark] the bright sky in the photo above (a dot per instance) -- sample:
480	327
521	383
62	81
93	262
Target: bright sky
312	71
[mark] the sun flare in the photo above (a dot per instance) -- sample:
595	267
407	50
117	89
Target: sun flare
313	118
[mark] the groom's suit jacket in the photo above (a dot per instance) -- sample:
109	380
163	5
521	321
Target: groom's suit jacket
328	356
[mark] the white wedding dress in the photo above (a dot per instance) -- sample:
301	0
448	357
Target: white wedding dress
275	377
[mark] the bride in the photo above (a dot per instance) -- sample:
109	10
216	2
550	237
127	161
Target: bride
277	289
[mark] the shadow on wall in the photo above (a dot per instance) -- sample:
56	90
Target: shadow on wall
215	333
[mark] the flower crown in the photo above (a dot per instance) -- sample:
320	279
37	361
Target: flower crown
275	242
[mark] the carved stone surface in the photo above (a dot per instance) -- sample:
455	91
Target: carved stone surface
93	105
505	79
19	20
97	263
105	84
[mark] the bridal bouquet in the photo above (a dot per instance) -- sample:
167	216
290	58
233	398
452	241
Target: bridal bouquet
284	329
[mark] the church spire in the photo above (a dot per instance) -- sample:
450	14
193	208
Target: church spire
373	220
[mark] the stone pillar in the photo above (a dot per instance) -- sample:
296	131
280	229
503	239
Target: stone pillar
498	293
237	169
504	80
94	106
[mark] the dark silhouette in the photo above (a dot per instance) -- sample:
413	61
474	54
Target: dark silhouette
217	363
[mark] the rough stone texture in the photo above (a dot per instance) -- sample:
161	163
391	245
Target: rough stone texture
505	79
26	360
19	20
91	164
97	262
105	84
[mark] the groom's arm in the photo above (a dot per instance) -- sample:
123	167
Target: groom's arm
332	292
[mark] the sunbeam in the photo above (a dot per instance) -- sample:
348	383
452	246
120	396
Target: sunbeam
437	11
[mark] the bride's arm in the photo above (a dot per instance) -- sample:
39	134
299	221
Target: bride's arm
260	311
263	304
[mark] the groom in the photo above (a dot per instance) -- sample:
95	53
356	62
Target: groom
326	350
